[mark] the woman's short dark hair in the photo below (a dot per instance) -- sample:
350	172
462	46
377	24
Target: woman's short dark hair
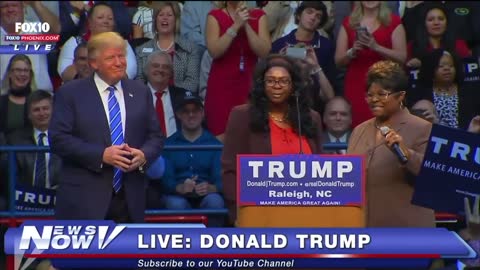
318	5
430	64
389	75
260	103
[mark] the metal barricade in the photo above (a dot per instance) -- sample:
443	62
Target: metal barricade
12	172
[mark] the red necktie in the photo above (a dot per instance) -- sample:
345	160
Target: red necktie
90	3
160	111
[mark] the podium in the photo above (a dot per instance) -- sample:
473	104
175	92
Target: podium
300	191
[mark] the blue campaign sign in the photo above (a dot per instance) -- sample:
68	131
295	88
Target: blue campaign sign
450	170
300	180
33	199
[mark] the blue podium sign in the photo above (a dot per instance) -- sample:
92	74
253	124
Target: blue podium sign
450	170
300	180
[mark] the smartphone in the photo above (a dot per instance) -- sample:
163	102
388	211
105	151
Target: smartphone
360	30
295	52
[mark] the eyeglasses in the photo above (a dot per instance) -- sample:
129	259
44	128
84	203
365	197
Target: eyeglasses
383	96
21	70
281	82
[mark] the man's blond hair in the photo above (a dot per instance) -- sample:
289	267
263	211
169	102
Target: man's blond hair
105	40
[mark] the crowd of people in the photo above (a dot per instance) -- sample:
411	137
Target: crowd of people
231	73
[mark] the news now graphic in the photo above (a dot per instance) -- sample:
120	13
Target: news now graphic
300	180
92	244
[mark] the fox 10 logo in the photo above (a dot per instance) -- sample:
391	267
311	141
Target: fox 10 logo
26	32
36	27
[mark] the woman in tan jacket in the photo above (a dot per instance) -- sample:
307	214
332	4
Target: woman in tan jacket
389	186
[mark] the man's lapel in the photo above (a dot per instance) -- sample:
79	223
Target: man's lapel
96	110
128	96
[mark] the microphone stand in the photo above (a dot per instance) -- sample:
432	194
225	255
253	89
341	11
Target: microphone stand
297	94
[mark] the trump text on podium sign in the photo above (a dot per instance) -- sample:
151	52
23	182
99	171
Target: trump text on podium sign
300	180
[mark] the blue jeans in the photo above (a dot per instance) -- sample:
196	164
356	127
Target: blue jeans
210	201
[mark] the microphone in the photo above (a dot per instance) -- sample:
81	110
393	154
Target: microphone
297	94
395	147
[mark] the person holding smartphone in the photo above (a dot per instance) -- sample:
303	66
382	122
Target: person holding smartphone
306	43
371	33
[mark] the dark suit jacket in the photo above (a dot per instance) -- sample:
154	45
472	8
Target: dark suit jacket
26	160
176	97
4	114
239	139
326	139
79	133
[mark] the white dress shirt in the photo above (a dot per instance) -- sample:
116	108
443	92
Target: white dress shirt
102	90
168	112
36	136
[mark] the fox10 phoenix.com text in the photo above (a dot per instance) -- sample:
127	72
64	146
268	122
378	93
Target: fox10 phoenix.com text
29	38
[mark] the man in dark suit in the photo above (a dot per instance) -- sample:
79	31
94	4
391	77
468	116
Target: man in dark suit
158	70
337	118
36	169
105	129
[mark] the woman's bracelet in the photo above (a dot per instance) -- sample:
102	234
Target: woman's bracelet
316	71
350	53
231	32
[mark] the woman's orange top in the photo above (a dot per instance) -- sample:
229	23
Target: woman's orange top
285	141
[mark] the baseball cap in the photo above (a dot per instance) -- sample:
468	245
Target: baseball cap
189	98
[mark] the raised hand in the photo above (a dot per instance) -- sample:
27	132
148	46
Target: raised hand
79	6
241	16
473	219
393	137
414	63
312	57
474	126
367	40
